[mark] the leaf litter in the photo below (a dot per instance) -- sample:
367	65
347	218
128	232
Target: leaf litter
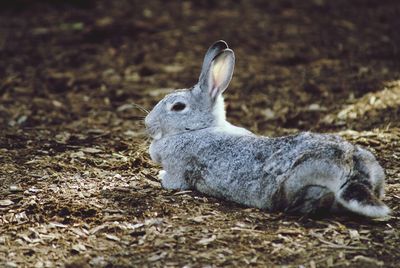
77	187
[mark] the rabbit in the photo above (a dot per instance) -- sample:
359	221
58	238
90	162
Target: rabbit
304	174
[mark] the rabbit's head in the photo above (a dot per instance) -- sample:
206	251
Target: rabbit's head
199	107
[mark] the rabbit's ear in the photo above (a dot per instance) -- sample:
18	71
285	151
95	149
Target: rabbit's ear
211	53
220	73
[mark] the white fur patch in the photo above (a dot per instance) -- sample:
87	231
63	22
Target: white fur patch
234	130
161	174
220	117
366	210
219	110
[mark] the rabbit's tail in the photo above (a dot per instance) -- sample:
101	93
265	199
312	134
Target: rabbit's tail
358	198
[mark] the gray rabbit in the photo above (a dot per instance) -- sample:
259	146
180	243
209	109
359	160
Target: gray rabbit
304	174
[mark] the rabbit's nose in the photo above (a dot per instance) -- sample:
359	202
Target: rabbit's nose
147	121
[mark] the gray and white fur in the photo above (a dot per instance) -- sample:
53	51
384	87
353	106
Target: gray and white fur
305	173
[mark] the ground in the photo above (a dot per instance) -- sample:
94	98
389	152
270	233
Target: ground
77	187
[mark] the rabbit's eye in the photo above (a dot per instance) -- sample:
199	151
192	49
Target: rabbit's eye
179	106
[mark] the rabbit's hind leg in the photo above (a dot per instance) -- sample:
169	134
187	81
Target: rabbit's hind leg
312	200
358	198
368	170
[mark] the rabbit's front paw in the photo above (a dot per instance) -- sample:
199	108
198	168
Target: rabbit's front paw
170	182
161	174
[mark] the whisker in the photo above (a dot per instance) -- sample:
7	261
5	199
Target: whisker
140	108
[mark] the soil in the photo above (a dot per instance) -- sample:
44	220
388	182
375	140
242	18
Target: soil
77	187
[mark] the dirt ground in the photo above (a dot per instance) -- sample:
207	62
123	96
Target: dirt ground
77	187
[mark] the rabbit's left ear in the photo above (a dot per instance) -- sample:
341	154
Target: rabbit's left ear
211	53
219	74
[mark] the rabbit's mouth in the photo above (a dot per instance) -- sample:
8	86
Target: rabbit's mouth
154	133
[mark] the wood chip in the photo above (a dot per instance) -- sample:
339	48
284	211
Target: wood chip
15	188
6	202
354	235
368	260
91	150
157	257
206	241
79	247
57	224
112	237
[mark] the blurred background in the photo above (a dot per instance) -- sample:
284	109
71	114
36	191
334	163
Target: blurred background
317	64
